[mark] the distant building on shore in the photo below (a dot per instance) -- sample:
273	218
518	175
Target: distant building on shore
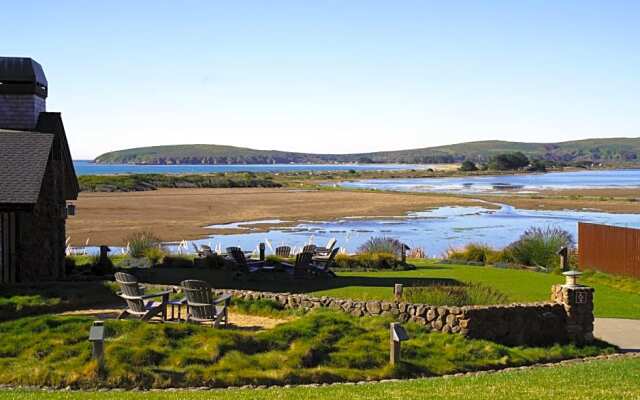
37	177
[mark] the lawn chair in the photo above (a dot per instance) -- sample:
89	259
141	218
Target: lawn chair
137	302
302	267
237	255
201	306
322	265
309	248
204	251
283	251
326	251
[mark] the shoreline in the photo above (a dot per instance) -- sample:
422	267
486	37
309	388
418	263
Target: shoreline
183	214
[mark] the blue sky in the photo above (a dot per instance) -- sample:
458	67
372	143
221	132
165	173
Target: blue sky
332	76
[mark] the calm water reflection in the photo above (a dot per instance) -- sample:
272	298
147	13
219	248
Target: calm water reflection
434	230
628	178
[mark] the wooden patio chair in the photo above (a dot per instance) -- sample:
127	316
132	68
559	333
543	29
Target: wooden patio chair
238	257
309	248
205	251
326	250
138	303
283	251
202	307
322	265
302	267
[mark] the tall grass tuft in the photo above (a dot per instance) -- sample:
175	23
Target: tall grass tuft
539	246
140	242
382	245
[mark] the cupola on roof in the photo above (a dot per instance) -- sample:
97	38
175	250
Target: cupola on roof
22	75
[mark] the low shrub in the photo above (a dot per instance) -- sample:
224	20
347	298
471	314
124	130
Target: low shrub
365	261
479	253
155	255
214	261
139	242
455	295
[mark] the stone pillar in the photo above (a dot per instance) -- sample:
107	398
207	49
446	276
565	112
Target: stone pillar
578	305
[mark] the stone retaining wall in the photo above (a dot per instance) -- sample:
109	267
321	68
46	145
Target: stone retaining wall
512	324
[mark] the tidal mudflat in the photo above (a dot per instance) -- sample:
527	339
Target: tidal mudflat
520	183
184	214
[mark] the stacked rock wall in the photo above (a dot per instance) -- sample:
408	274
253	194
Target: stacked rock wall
577	302
512	324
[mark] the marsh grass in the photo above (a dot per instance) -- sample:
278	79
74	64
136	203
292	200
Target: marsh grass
322	346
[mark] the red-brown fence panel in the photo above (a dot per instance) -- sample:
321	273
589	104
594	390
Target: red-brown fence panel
611	249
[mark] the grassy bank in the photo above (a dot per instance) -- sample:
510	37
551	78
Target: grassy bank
615	379
321	346
143	182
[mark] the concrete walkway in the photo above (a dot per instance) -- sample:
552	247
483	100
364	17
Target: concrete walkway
624	333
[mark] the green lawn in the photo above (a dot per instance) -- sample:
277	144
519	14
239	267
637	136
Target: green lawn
615	297
22	300
616	379
518	285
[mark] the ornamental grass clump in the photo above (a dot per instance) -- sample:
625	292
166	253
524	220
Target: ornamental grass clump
139	242
539	246
381	245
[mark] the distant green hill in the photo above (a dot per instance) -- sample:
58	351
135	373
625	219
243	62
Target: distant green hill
595	150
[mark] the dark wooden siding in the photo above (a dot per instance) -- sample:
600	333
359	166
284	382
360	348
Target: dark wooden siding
7	247
610	249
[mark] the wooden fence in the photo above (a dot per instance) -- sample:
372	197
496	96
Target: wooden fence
610	249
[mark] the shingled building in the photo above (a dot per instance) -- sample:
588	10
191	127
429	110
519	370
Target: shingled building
36	176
